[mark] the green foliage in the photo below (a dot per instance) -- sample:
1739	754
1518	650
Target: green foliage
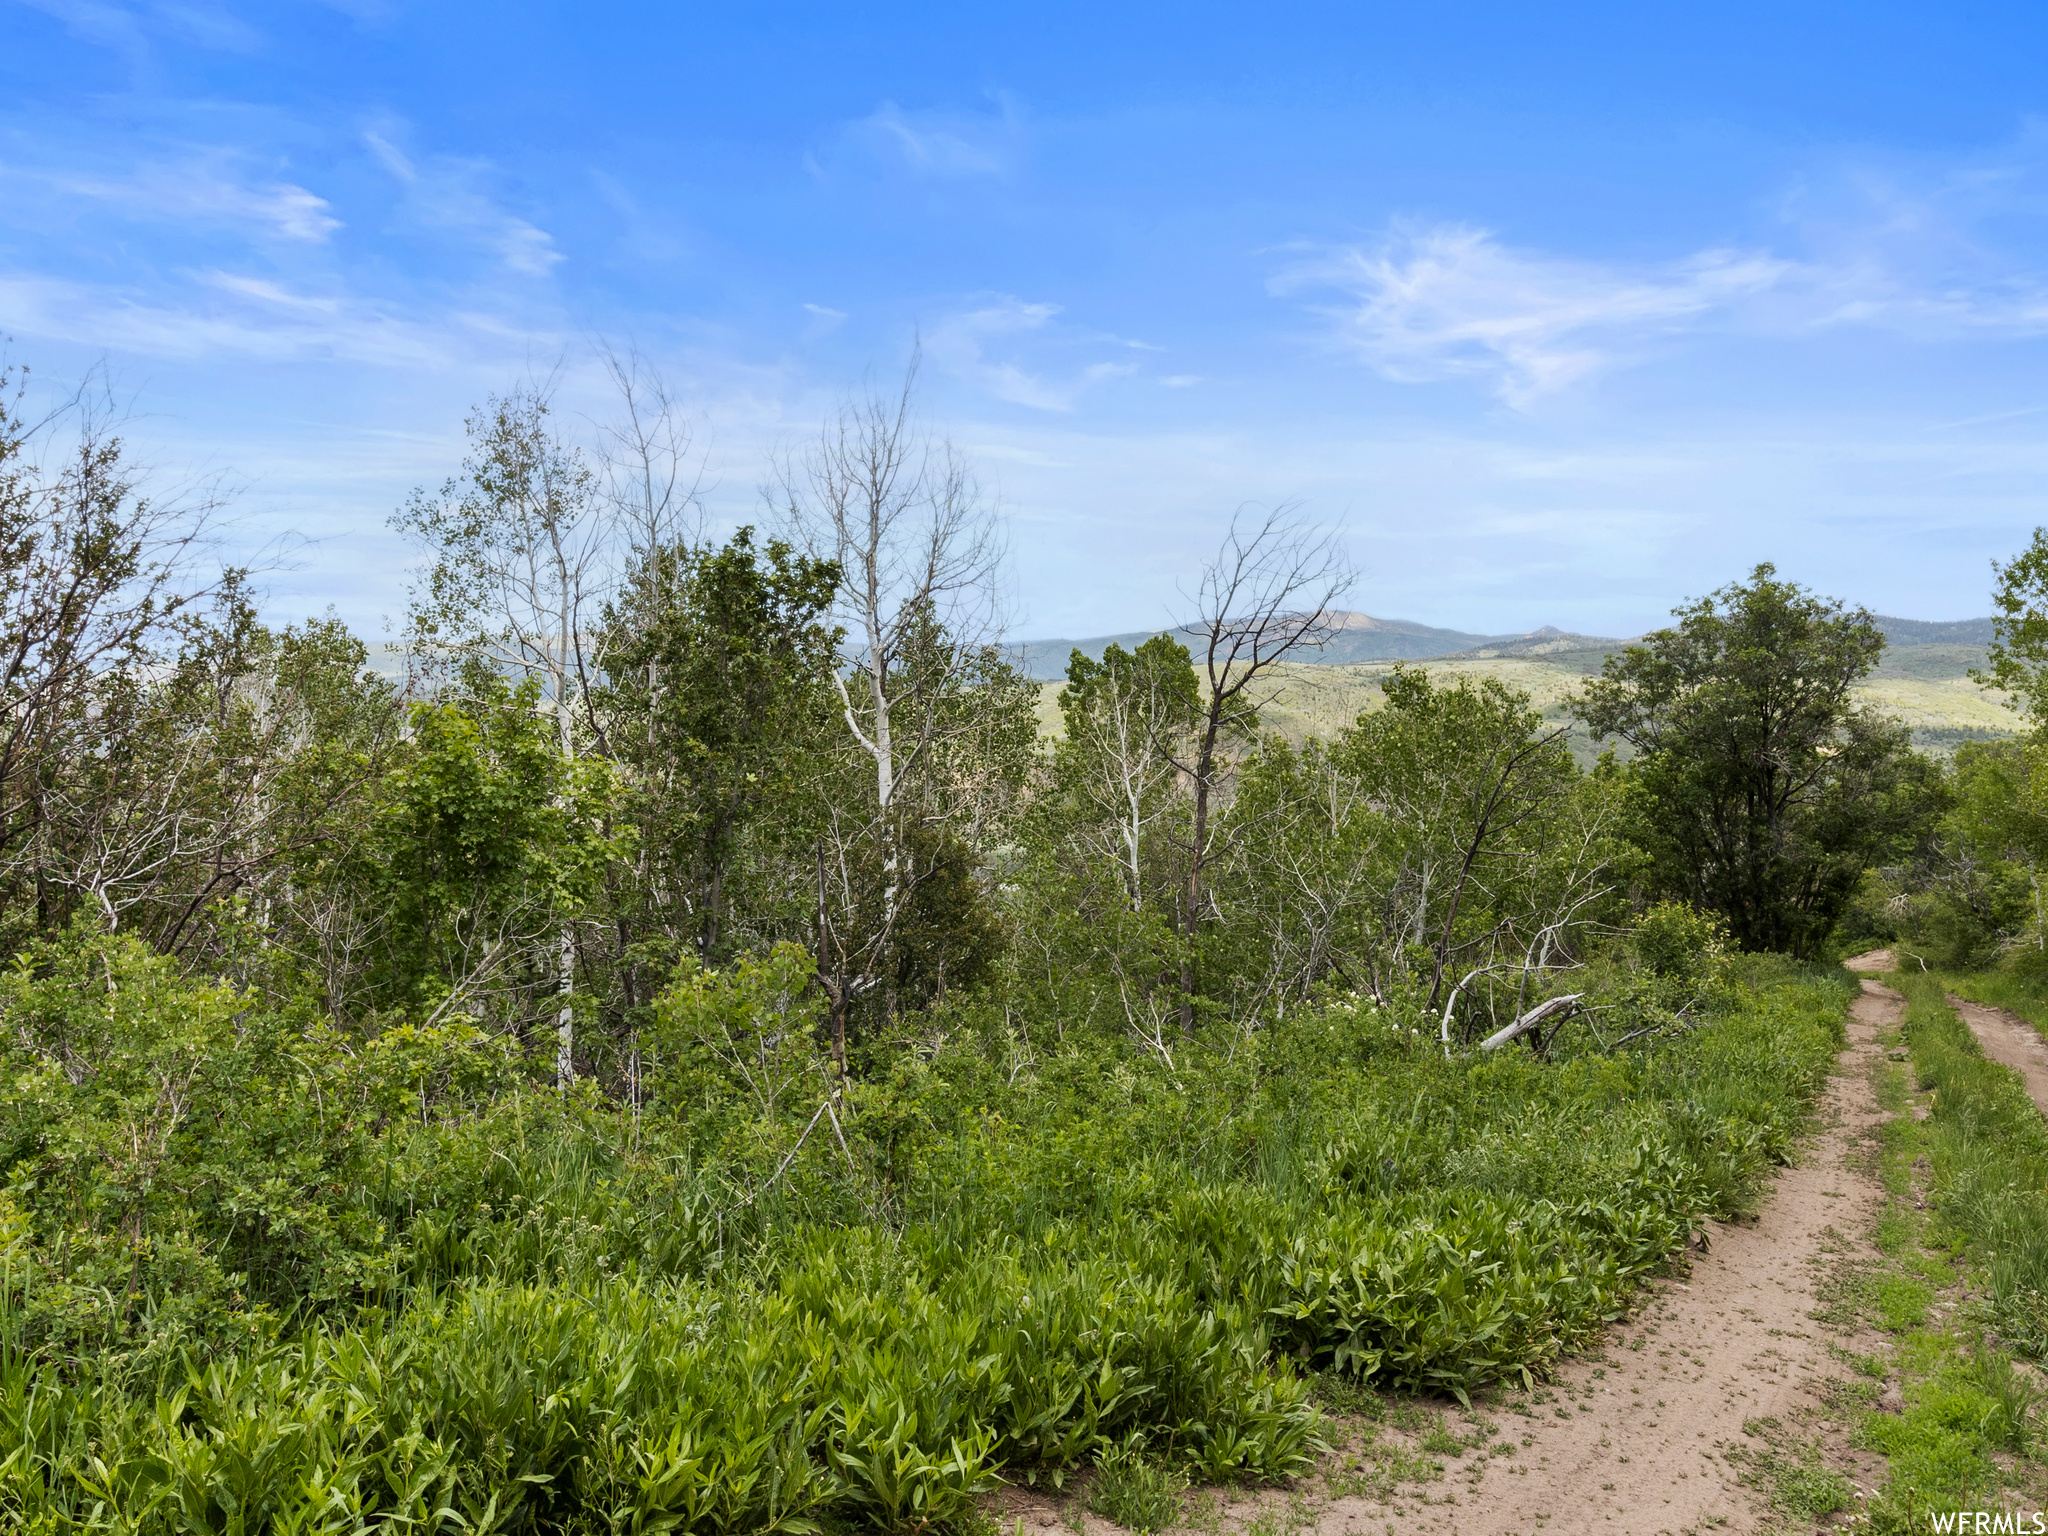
665	1067
1772	793
1673	939
2016	661
1812	1491
1139	1495
1989	1149
717	700
176	1152
1444	846
720	1308
488	838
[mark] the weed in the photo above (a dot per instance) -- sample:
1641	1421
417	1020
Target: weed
1848	1396
1813	1491
2013	1400
1899	1302
1342	1394
1140	1495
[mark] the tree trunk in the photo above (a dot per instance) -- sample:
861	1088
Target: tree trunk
1205	767
565	1017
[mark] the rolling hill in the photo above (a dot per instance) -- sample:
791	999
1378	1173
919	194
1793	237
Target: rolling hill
1923	678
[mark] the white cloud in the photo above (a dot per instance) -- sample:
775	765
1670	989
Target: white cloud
943	144
1449	301
448	193
1931	252
127	29
1181	380
205	187
824	320
236	316
962	342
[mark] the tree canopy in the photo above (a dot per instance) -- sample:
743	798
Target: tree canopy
1773	790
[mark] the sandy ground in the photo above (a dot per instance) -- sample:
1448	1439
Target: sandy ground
1636	1437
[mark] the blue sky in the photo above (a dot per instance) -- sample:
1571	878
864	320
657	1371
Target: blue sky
1566	313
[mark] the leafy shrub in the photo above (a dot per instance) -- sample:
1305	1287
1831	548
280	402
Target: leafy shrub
1674	939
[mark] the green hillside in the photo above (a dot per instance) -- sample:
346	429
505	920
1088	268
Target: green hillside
1927	686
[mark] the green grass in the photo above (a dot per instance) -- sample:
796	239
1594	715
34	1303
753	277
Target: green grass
1988	1146
1967	1430
2024	995
1139	1495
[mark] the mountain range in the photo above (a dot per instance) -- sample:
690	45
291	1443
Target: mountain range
1363	638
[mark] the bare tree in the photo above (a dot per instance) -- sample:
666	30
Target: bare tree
652	475
1125	717
1268	594
920	552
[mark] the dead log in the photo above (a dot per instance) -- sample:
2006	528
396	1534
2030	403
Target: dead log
1558	1008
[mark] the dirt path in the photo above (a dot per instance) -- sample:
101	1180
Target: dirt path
1636	1439
2007	1038
2011	1041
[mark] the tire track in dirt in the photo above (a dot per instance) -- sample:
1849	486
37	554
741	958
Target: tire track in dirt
2010	1041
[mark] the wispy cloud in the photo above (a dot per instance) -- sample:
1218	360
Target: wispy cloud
206	187
446	192
1450	301
228	314
1934	252
822	320
948	145
962	342
129	29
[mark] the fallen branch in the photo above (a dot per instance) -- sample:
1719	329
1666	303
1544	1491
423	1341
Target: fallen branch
1559	1008
1676	1021
782	1167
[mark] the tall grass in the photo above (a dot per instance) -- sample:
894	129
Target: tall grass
1989	1152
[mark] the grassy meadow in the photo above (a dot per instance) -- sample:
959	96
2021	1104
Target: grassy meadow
1926	686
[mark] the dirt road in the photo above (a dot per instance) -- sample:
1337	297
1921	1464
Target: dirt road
2011	1041
2006	1037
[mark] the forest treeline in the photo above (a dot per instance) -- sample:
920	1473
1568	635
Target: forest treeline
624	753
689	1056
